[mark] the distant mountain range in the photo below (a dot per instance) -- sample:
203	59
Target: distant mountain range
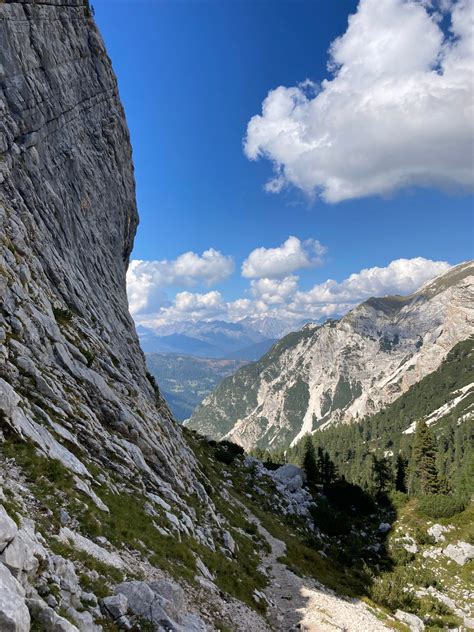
342	370
248	339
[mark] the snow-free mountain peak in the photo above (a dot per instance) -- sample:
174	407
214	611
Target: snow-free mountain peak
342	370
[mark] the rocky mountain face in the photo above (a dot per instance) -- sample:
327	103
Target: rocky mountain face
342	370
72	376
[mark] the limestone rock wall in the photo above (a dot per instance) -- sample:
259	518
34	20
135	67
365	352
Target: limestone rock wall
72	376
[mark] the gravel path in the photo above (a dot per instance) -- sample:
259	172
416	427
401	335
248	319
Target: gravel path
303	604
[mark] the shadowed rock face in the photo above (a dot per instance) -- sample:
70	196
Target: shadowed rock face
71	370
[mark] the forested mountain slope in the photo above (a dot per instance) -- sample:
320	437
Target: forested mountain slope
342	370
444	399
185	380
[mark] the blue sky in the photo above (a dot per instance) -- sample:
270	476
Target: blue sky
192	74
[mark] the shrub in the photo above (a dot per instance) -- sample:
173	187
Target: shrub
423	537
439	505
227	451
62	316
151	379
397	499
400	555
389	590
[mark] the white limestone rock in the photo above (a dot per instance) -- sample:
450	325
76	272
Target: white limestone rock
461	552
202	568
19	556
229	542
412	621
8	529
115	606
291	476
143	602
50	619
437	530
82	543
14	614
83	620
162	603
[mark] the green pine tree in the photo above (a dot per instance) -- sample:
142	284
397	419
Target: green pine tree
309	461
400	474
329	470
423	478
381	474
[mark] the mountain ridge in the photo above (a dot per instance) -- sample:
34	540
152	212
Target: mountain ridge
342	369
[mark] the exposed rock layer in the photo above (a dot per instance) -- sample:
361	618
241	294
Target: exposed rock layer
71	371
73	382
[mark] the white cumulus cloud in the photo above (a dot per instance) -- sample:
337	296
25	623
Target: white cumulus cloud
146	279
398	110
192	302
402	276
281	299
274	291
293	254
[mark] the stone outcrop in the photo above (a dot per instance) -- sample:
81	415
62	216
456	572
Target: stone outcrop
14	615
161	603
292	498
461	552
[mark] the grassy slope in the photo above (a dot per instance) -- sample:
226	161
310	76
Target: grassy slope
341	562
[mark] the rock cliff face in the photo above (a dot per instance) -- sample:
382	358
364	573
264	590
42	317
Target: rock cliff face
71	371
79	417
343	370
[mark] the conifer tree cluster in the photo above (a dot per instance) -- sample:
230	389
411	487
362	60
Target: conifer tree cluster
423	474
379	455
317	464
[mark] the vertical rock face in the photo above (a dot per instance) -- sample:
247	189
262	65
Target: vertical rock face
72	376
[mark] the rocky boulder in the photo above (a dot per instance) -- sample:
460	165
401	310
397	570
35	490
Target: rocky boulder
291	476
437	530
461	552
48	618
161	602
8	529
411	620
14	614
